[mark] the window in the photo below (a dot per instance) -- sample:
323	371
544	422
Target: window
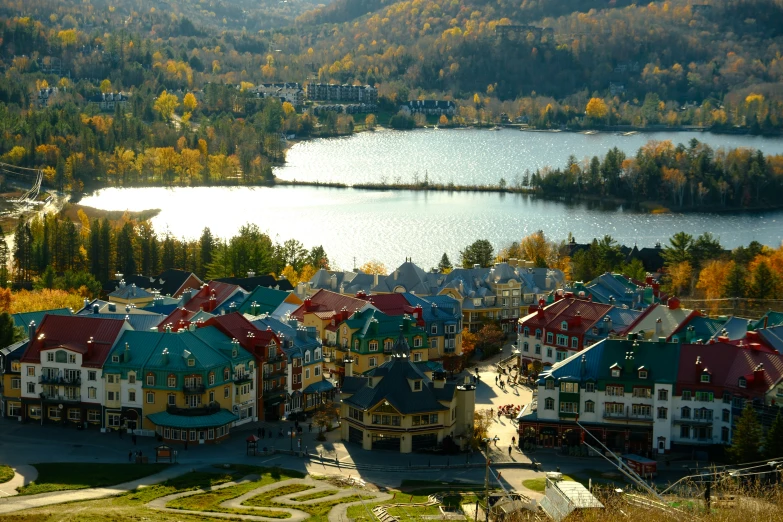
226	374
356	414
74	415
642	393
50	357
538	349
549	337
150	398
226	392
569	387
16	367
569	407
614	408
590	387
641	410
562	340
110	379
575	342
705	377
307	357
663	413
549	352
564	326
212	396
550	384
525	347
92	393
724	434
114	358
30	387
642	374
172	381
434	329
373	362
416	357
114	420
317	371
704	396
726	416
110	395
417	342
433	342
131	395
150	380
14	409
171	399
686	395
685	412
726	398
131	378
307	373
685	432
16	383
54	413
615	372
93	416
387	420
589	407
373	346
416	385
663	395
31	371
615	391
538	334
71	358
549	404
35	411
526	331
743	383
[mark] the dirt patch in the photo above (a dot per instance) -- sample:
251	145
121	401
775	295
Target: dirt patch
70	210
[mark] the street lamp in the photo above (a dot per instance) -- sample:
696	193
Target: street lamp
486	441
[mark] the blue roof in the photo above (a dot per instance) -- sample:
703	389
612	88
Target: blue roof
447	308
139	322
320	386
23	319
164	418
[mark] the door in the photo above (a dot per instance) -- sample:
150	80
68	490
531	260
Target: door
424	441
386	442
661	445
201	436
355	435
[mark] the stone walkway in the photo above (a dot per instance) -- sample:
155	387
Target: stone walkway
21	502
336	514
23	475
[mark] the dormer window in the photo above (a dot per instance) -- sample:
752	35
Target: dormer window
705	377
191	362
234	353
307	357
564	326
642	373
615	372
115	358
416	385
743	383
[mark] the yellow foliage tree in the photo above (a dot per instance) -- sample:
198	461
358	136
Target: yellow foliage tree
288	108
166	104
106	86
373	267
67	37
369	121
190	102
443	120
291	274
679	277
596	109
33	301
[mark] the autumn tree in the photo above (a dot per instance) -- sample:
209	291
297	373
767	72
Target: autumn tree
373	266
369	122
712	279
189	102
165	105
489	340
596	109
678	277
469	340
535	248
482	420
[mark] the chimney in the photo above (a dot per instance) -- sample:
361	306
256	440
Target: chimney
690	333
127	356
607	324
95	308
476	266
438	380
86	302
583	366
578	319
348	361
673	303
758	375
122	283
31	330
192	327
112	307
133	290
308	303
127	308
658	327
333	282
164	357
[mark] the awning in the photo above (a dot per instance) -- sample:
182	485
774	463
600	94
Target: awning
164	418
320	386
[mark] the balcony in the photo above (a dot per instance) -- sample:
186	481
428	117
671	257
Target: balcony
61	398
278	356
700	421
194	389
242	377
626	416
194	412
58	380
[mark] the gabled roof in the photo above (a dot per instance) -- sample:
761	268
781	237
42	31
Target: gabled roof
671	319
181	318
169	282
11	353
345	282
326	301
139	322
410	278
579	315
207	346
263	300
92	337
773	337
373	323
126	291
23	319
436	307
769	320
393	386
107	307
391	304
294	339
250	283
250	337
211	296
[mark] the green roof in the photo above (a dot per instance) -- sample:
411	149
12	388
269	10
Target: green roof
769	320
387	326
23	319
266	300
164	418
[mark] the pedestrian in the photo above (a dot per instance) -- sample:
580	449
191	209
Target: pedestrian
490	412
140	454
133	438
310	427
306	451
130	456
299	443
263	433
509	450
496	378
513	441
498	419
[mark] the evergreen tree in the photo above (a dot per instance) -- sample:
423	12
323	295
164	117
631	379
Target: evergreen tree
746	437
317	258
23	251
480	252
95	249
206	246
678	249
169	253
773	442
735	284
762	282
4	260
445	265
126	262
8	332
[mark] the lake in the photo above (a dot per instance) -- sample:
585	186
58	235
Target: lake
471	156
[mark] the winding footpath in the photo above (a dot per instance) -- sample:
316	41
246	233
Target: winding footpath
336	514
23	475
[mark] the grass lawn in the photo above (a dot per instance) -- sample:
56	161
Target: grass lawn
62	476
317	494
6	473
318	511
187	482
539	484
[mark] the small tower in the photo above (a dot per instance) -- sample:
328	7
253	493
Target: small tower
466	406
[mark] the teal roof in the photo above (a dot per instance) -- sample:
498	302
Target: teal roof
320	386
141	345
164	418
266	300
386	325
661	360
769	320
23	319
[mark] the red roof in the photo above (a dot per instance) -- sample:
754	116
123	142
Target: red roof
326	301
580	315
249	336
178	318
87	335
391	304
210	296
726	363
